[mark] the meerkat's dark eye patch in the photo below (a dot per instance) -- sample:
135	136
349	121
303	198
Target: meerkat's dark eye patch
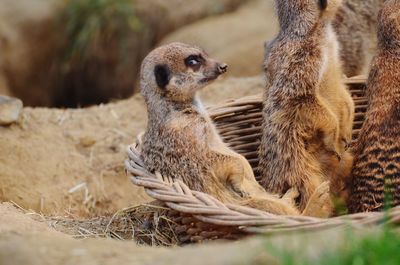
323	4
162	74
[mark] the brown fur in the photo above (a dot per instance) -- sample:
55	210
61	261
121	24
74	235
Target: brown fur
377	165
355	25
182	142
308	112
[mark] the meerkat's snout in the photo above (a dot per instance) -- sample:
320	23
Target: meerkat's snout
222	68
213	71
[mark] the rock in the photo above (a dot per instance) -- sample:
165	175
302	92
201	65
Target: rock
10	110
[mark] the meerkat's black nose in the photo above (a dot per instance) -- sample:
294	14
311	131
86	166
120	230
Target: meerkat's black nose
222	68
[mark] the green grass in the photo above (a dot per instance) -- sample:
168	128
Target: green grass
90	23
382	249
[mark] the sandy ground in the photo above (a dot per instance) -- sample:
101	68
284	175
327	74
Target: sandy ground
71	161
236	38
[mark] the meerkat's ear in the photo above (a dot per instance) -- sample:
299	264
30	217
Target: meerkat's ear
162	74
323	4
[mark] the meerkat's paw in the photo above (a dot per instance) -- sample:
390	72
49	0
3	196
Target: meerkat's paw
166	179
241	192
291	195
320	203
331	141
334	149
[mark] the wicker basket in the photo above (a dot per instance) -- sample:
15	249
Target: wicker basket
198	216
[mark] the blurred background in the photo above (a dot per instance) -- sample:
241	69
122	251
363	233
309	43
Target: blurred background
77	53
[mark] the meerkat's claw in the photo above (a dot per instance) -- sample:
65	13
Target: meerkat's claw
166	179
339	157
139	139
169	180
242	193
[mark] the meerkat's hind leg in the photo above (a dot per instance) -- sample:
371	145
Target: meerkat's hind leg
320	203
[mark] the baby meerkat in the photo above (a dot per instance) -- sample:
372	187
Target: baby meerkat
181	141
308	112
376	169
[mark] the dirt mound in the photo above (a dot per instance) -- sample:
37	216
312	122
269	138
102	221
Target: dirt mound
236	38
13	220
71	161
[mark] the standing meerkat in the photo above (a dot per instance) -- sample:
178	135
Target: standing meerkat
356	26
181	141
377	150
308	111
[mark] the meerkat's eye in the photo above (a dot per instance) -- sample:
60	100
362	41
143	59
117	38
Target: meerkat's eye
193	60
323	4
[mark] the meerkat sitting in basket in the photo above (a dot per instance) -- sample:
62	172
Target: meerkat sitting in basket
308	112
182	142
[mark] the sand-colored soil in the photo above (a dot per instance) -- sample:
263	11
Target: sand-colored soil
71	161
